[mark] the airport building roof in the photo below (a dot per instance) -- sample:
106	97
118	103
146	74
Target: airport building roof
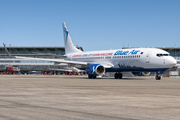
34	51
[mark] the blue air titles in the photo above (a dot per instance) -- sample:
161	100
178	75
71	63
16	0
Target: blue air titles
133	52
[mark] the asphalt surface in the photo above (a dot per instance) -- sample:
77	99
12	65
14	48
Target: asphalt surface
53	97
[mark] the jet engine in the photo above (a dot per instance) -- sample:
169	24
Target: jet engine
146	73
141	73
95	69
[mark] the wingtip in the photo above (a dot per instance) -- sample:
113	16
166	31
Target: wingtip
7	52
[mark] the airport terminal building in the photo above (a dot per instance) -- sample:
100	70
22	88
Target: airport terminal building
36	52
47	52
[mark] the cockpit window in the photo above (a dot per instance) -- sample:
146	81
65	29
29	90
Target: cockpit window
160	55
165	54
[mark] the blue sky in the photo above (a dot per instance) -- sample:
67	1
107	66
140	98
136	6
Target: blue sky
93	24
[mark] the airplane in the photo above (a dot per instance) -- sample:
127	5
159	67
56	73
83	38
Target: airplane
96	63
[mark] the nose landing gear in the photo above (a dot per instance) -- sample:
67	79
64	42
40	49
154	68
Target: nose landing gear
118	75
158	77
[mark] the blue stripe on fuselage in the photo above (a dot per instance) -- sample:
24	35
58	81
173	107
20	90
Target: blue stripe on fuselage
135	69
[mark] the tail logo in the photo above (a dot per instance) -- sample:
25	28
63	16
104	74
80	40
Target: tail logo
94	69
66	33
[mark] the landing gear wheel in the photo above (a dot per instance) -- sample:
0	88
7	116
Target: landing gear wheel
158	77
92	76
118	75
89	76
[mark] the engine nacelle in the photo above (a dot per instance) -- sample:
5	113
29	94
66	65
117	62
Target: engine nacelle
146	73
141	73
95	69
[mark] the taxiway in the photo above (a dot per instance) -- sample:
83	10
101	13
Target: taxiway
29	97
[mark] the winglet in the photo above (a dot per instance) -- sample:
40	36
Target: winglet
6	50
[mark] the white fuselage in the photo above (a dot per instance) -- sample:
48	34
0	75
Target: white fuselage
146	58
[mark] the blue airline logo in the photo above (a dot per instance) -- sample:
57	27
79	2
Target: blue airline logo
66	33
133	52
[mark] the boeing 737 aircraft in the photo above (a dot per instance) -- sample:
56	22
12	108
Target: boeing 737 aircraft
96	63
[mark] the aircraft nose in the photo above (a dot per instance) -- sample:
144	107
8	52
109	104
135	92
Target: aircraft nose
172	62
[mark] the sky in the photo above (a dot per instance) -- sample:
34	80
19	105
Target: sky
93	24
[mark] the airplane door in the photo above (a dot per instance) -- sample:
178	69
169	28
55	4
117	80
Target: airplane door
148	57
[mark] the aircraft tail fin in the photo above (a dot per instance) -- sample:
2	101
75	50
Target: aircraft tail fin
69	46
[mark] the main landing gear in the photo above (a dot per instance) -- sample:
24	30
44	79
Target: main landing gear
92	76
118	75
158	77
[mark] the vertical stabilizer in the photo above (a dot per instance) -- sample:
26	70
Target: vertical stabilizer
69	46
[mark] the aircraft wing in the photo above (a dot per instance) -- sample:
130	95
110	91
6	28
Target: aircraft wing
7	52
62	70
73	69
49	54
57	61
107	65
